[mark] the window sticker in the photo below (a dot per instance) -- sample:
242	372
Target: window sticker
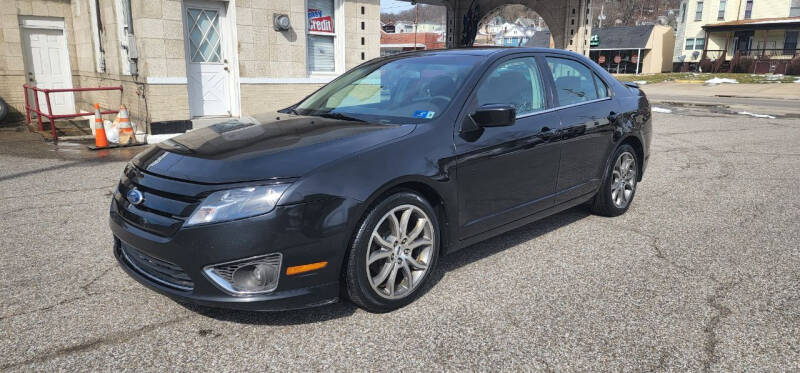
424	114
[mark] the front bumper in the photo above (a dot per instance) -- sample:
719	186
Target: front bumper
302	233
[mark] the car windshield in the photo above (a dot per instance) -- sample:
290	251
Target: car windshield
403	90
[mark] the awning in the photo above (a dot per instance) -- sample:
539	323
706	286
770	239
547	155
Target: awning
755	24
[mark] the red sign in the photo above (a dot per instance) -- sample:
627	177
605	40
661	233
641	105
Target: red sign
601	59
617	59
319	23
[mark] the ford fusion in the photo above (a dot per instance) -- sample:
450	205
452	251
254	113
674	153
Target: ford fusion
356	191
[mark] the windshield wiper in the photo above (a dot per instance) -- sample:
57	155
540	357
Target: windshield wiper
340	116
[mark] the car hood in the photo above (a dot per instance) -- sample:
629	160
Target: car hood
263	147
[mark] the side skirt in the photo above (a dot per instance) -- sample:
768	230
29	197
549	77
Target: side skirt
520	222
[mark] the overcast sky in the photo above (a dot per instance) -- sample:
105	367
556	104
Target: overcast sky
394	6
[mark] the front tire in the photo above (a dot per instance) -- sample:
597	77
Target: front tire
393	253
619	185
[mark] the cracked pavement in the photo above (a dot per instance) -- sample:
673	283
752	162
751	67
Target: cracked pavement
700	275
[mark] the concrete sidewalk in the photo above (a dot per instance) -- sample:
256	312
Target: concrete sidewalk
776	99
787	91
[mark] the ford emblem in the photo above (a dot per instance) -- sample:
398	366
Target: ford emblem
134	196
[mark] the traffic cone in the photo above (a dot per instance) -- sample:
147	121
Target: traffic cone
100	140
125	129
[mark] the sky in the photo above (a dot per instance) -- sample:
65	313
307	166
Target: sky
394	6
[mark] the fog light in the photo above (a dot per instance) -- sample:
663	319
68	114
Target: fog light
253	277
247	276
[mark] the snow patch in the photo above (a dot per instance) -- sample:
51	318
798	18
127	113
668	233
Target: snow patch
756	115
657	109
797	81
715	81
640	82
155	139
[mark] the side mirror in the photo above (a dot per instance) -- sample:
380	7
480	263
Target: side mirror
494	115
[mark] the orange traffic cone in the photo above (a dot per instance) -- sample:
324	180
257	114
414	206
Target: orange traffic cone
100	140
126	134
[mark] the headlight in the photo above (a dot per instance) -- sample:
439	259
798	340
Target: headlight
237	203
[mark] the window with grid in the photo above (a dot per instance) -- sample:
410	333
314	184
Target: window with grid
699	43
698	12
689	44
204	35
721	12
748	9
321	51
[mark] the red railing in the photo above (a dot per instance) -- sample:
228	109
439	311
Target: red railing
49	115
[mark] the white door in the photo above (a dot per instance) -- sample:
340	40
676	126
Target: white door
47	66
207	70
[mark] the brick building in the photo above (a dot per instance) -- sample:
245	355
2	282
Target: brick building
182	59
394	43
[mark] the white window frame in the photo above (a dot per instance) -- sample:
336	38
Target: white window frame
122	35
794	7
721	12
701	47
99	58
338	41
699	7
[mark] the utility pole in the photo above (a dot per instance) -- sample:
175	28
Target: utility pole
416	19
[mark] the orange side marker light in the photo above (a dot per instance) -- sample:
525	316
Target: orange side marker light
295	270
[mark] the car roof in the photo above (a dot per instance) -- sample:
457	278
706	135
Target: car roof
484	51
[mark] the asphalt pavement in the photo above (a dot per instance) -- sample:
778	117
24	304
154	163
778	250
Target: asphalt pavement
701	274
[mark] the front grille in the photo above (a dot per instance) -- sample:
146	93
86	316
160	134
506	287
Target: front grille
160	271
163	209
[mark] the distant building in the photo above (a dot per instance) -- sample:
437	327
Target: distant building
402	42
633	49
405	27
723	33
541	39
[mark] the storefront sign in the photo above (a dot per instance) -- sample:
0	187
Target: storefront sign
318	22
594	41
602	59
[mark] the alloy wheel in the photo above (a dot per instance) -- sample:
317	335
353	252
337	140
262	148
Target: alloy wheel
400	251
623	180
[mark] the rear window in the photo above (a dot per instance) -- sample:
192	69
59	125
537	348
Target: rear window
575	82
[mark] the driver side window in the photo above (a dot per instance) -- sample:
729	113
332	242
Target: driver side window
515	82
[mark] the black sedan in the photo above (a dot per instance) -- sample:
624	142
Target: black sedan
357	190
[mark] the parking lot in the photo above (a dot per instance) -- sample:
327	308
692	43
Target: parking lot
701	274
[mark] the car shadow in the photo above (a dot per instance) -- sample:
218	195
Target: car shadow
497	244
447	263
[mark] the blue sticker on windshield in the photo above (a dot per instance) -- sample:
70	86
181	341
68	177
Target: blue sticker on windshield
424	114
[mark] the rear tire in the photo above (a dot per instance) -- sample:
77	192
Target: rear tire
619	185
388	263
